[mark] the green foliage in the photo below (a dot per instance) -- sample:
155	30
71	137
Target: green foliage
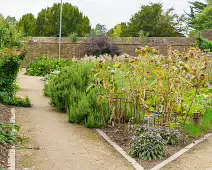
73	37
27	24
155	22
48	21
10	62
204	44
70	91
120	30
203	20
9	134
192	129
100	46
10	37
45	65
98	31
147	145
172	137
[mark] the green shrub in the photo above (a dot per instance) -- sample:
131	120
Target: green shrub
172	137
204	44
10	37
73	37
45	65
10	63
148	145
69	92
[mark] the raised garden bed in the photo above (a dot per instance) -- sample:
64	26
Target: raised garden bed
5	115
120	134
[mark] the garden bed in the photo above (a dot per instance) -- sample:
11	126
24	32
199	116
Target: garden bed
5	115
120	134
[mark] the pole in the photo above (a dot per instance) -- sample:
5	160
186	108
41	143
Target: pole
61	13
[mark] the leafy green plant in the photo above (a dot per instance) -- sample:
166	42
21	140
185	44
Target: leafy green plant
45	65
148	145
10	63
172	137
204	44
73	37
9	134
192	129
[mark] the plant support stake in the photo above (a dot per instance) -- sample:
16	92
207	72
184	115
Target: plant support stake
60	34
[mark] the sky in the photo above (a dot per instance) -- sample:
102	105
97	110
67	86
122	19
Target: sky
106	12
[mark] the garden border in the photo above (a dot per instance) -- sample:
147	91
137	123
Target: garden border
11	159
132	161
137	166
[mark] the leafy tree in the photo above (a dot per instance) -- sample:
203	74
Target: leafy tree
9	35
27	24
48	21
200	16
203	20
120	30
11	20
98	31
153	21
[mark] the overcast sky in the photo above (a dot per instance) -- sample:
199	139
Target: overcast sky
107	12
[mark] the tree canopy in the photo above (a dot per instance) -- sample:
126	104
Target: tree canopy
48	21
27	24
155	22
200	17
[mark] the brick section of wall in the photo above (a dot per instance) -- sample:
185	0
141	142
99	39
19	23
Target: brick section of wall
49	46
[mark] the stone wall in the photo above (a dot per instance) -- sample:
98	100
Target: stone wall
50	46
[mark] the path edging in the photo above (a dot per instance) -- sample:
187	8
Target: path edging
11	159
181	152
132	161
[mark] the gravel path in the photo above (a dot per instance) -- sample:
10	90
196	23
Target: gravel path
198	158
55	144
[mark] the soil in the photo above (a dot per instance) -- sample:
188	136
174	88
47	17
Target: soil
5	115
120	134
53	143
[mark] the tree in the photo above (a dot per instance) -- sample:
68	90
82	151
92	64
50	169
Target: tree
155	22
98	31
27	24
200	16
120	30
9	35
203	20
48	21
11	20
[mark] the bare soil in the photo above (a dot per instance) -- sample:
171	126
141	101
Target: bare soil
53	143
5	115
120	134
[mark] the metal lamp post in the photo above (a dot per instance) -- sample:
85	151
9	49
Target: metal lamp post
60	38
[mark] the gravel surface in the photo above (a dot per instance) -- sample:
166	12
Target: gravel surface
55	144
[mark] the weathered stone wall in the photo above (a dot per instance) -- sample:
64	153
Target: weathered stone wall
50	47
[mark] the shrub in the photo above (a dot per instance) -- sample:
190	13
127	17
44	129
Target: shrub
172	137
73	37
204	44
148	145
10	37
10	62
69	92
45	65
100	46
